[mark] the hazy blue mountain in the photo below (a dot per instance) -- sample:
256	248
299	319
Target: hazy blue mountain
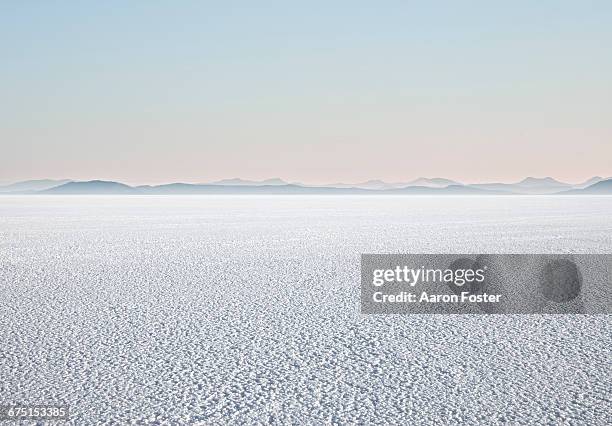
603	187
545	185
532	182
589	182
91	187
32	185
528	185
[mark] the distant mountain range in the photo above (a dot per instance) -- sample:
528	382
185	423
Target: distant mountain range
91	187
603	187
421	186
31	186
381	185
528	185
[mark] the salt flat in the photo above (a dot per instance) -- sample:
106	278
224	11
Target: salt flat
241	310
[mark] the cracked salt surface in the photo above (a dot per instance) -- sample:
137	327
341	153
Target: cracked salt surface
244	310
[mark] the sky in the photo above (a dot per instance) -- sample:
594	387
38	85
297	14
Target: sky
315	92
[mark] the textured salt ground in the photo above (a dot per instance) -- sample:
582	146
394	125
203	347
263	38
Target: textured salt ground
245	310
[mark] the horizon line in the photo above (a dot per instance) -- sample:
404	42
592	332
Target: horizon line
280	181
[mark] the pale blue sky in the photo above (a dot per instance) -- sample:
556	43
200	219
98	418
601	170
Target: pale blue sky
148	92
